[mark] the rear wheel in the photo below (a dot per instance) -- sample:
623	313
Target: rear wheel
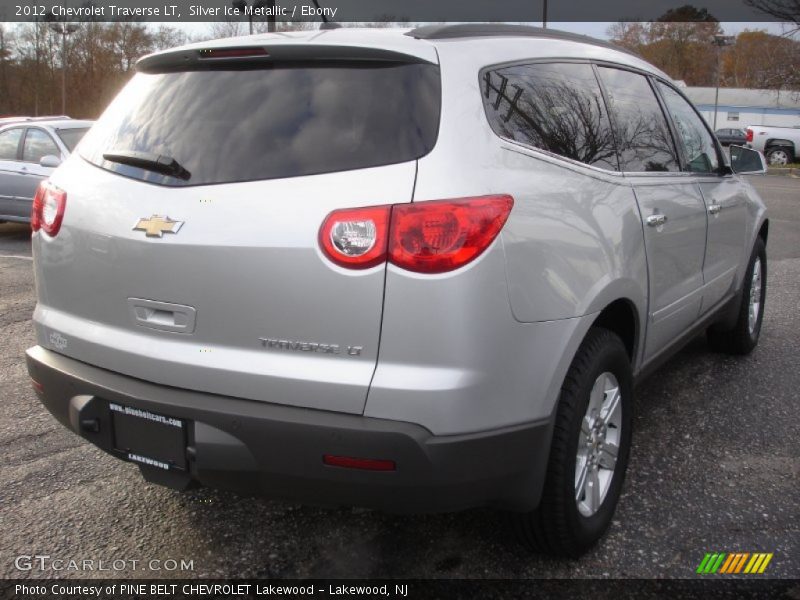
589	452
779	156
743	336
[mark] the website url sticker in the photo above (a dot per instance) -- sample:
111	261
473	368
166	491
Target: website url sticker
143	414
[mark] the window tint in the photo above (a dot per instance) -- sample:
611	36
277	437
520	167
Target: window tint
37	145
554	107
72	136
644	139
699	149
9	142
251	124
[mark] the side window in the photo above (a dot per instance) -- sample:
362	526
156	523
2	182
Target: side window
698	145
37	145
9	142
553	107
644	139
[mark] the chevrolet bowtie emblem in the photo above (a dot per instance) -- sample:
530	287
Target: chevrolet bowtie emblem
157	226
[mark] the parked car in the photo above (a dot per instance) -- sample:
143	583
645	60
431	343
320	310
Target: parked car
8	120
415	270
30	150
727	137
779	144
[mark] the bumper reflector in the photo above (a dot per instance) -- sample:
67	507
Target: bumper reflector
367	464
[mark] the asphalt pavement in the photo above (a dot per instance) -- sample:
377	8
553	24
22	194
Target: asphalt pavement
715	466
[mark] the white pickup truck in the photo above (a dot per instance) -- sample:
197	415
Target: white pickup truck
781	145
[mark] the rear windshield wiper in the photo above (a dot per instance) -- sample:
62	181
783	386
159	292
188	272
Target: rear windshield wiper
147	160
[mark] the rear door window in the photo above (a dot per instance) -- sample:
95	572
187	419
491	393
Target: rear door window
234	125
9	144
38	144
72	136
641	130
699	149
557	107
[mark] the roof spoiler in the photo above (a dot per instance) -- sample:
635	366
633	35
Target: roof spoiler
259	57
474	30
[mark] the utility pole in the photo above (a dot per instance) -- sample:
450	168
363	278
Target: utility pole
719	41
544	15
64	29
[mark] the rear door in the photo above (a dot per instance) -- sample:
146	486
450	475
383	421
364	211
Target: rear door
211	278
672	209
37	144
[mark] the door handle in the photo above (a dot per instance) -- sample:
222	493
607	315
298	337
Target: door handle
714	209
656	220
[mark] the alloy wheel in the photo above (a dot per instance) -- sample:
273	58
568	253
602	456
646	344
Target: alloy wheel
598	444
755	297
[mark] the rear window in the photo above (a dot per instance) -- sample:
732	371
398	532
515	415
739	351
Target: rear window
227	126
555	107
72	136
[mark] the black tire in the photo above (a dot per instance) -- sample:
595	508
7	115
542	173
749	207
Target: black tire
779	155
739	339
557	527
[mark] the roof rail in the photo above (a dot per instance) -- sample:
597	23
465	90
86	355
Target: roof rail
50	118
472	30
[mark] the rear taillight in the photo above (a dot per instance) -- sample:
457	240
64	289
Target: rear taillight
440	236
749	134
48	208
424	237
356	238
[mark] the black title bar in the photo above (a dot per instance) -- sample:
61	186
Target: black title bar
395	11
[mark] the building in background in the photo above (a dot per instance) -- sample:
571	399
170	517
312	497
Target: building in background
739	107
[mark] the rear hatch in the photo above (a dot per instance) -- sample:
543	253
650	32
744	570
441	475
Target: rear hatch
189	252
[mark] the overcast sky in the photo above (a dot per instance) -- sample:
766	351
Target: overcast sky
598	30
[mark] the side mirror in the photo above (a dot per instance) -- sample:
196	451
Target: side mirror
50	161
747	161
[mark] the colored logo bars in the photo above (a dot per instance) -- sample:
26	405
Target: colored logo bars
735	562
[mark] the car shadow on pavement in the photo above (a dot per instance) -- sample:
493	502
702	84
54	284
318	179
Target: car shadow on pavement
275	539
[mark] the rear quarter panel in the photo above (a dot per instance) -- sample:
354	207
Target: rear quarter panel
489	345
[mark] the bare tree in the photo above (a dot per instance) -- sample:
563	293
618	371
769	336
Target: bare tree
783	10
100	56
227	28
6	48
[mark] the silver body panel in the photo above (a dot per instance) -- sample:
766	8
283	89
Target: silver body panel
483	347
246	260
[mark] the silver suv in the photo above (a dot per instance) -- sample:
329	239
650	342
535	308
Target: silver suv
410	270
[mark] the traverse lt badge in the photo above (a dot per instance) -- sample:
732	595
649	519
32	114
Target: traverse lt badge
157	226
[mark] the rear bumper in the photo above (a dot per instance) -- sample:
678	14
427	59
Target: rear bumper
276	450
